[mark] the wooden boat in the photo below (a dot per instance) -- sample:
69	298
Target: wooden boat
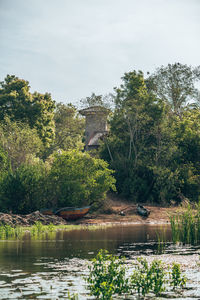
72	213
142	211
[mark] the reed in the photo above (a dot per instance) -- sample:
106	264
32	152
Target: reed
7	231
38	230
186	226
161	240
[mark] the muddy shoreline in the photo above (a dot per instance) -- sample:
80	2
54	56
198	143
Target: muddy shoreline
128	215
118	213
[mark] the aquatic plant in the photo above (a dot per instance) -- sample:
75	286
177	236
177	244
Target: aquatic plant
161	240
148	278
38	230
107	276
72	297
177	279
7	231
186	226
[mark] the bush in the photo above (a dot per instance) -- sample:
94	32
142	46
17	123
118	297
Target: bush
76	179
21	191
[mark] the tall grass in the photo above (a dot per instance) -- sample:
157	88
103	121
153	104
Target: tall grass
186	226
161	240
38	230
7	231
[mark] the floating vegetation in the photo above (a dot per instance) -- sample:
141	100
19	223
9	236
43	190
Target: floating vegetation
186	226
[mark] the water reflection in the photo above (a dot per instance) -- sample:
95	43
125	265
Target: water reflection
47	268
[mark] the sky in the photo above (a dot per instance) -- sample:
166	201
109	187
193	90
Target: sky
72	48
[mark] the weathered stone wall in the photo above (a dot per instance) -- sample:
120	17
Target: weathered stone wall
95	123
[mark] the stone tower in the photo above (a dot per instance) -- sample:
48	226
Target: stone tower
96	125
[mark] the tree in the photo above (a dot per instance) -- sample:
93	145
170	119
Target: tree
43	119
97	100
36	110
132	146
21	143
69	128
187	136
22	190
4	162
175	84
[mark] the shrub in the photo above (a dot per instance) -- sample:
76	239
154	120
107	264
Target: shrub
76	179
22	190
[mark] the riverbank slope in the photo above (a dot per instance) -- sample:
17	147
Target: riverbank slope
113	212
118	211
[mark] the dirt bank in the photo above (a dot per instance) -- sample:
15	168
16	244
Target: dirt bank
114	212
123	212
30	219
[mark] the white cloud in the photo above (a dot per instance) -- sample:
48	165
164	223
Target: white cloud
72	48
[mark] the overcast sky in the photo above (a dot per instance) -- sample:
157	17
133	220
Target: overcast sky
72	48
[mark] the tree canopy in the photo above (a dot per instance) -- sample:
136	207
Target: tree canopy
69	128
36	110
153	144
175	84
154	153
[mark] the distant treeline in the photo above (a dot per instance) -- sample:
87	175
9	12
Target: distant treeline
153	144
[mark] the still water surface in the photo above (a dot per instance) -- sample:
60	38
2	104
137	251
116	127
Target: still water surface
49	268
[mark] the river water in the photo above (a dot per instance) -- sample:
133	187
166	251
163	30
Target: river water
48	268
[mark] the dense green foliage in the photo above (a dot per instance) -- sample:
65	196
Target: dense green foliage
36	110
77	179
154	152
20	143
72	178
69	128
21	190
33	134
175	84
153	145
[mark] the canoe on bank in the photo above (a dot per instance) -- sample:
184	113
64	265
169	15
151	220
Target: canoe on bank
142	211
67	213
72	213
